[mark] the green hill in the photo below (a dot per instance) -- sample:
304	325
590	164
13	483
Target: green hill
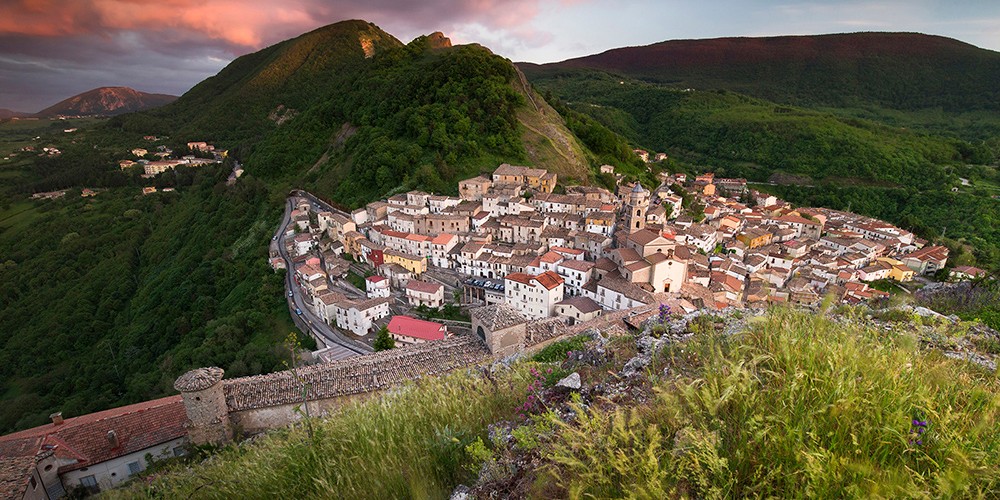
351	111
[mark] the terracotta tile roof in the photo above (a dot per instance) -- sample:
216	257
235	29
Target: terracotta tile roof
971	271
605	264
583	304
551	257
443	239
795	219
549	279
15	473
138	426
643	237
656	257
508	169
520	277
577	265
331	298
423	286
929	253
637	265
627	254
626	288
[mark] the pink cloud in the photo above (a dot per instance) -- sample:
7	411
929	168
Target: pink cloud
252	24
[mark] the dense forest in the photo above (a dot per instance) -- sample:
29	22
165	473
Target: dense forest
108	299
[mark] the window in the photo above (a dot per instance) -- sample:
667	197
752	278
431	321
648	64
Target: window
90	484
134	468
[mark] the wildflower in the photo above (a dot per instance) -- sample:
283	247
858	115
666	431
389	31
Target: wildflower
918	428
664	313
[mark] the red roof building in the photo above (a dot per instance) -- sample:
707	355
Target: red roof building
117	439
410	330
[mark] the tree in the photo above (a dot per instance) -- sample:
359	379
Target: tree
384	341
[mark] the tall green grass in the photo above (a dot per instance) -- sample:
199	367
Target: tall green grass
797	406
407	444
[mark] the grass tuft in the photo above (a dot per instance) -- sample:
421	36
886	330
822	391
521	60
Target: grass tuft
798	405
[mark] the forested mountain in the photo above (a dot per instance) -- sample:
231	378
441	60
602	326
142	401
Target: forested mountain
6	113
907	71
352	111
106	101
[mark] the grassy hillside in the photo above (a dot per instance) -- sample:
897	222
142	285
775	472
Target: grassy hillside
106	300
796	405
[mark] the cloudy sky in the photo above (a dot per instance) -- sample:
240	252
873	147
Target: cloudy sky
52	49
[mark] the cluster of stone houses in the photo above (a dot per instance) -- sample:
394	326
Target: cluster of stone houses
578	254
167	161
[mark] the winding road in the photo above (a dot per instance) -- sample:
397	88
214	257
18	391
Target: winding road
338	346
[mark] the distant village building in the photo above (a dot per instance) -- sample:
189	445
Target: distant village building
534	296
377	286
578	310
927	260
423	293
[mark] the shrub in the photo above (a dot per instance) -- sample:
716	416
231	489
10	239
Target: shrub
556	351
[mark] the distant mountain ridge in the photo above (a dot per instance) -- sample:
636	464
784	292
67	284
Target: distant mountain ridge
905	71
8	113
106	101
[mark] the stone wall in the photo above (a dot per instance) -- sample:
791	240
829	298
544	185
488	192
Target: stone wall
257	420
219	408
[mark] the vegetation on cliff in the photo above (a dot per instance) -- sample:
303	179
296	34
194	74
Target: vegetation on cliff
106	300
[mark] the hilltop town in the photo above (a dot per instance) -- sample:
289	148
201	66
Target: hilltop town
516	237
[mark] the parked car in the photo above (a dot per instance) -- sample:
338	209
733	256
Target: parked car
291	293
298	311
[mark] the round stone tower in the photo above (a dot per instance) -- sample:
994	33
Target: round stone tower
205	404
638	204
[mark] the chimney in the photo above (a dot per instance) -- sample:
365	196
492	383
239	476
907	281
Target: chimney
56	418
113	439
